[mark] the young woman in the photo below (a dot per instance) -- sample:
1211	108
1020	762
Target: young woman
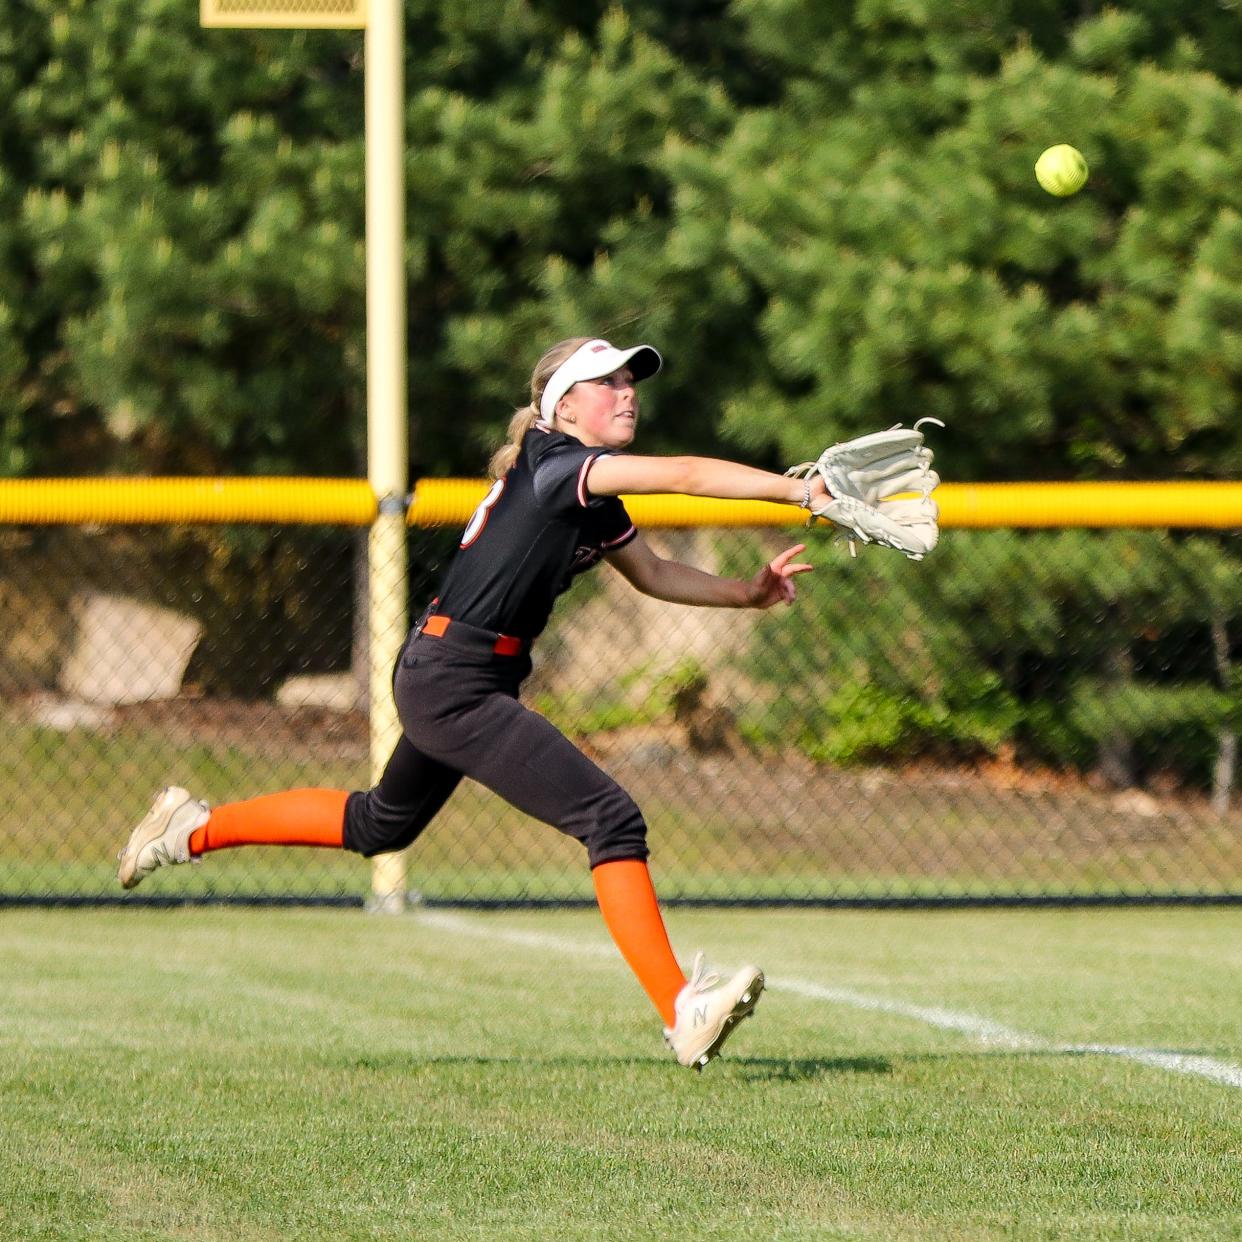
553	512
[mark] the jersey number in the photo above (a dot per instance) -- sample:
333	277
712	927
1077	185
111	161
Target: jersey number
474	527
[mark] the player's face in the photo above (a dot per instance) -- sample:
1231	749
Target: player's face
602	412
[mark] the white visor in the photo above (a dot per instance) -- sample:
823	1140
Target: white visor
591	361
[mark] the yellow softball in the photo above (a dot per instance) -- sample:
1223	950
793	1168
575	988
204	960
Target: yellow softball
1061	170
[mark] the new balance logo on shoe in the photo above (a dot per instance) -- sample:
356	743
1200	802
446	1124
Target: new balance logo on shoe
163	838
708	1010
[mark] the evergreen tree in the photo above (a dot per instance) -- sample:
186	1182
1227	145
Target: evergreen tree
899	259
193	218
824	209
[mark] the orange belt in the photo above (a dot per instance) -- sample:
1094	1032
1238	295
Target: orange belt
505	644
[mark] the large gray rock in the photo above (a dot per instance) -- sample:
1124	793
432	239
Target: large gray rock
337	692
127	651
65	715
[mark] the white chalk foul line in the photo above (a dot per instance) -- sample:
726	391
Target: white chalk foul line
982	1030
995	1034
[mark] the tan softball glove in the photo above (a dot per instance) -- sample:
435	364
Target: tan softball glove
879	489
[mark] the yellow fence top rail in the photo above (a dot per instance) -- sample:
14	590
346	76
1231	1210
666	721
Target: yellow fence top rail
1031	505
449	502
440	502
119	502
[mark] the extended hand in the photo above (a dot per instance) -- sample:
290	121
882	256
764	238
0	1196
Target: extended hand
774	583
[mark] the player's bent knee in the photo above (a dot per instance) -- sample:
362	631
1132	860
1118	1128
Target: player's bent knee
619	831
372	827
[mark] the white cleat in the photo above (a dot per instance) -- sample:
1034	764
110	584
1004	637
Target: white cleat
708	1010
163	838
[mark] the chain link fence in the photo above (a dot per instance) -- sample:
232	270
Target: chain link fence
1022	716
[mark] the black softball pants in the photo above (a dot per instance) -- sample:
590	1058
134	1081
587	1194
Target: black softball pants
460	716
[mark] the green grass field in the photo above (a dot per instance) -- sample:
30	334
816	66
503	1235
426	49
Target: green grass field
245	1075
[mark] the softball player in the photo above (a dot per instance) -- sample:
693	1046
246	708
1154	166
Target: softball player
553	512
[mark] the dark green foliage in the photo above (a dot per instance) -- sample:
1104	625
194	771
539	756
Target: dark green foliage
1055	648
906	263
823	209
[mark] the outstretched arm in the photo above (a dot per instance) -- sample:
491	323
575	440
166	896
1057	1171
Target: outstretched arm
683	584
695	476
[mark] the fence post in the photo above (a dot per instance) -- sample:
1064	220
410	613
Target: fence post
1225	769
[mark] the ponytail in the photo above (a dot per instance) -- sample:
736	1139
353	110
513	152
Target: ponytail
504	457
525	418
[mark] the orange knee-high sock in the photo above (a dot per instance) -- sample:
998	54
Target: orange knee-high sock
628	903
296	817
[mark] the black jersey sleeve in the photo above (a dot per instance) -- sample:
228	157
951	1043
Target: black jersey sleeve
612	525
560	477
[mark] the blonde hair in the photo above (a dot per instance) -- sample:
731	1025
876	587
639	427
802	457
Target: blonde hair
525	418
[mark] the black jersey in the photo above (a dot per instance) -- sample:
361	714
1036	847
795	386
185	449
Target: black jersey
533	533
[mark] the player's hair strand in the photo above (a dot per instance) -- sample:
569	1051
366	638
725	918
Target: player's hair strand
525	418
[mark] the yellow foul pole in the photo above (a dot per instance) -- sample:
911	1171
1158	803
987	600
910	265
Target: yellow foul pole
387	471
387	396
